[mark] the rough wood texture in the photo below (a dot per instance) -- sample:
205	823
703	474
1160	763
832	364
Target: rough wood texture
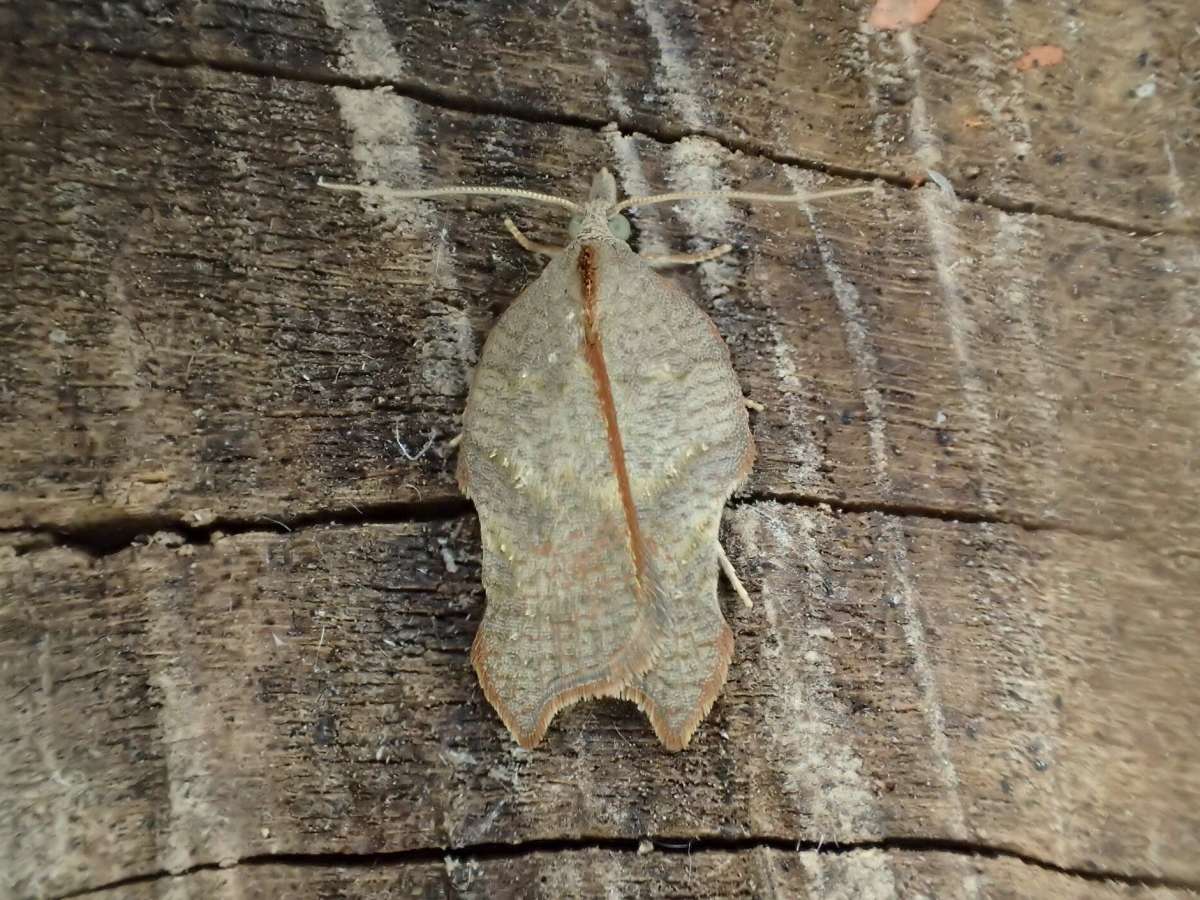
1112	133
233	334
196	342
311	692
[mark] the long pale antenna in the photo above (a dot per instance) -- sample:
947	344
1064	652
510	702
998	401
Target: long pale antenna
464	190
735	195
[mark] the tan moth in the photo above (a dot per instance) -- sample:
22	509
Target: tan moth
604	431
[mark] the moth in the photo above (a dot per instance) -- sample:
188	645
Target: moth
604	431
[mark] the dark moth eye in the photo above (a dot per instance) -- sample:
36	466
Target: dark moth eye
619	226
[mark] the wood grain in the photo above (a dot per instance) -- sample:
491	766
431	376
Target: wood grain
179	704
971	533
232	333
1110	134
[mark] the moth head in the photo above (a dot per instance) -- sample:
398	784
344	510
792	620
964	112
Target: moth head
618	226
601	198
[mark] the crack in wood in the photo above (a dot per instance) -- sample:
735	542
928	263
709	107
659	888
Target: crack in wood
921	511
674	844
421	92
109	536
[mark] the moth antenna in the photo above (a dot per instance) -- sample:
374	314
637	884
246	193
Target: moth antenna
735	195
683	259
464	190
527	244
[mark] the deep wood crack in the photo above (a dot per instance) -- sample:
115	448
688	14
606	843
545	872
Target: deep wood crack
662	133
113	534
681	845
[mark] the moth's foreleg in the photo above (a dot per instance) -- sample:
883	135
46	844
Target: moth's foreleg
754	405
734	581
527	244
685	259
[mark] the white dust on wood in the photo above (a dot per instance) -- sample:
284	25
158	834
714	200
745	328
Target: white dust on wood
920	127
365	43
992	67
695	163
945	245
616	99
1005	111
1175	182
1187	303
892	536
693	166
803	449
943	240
198	828
677	78
939	210
44	807
632	178
824	772
1008	602
860	875
384	146
858	338
1010	265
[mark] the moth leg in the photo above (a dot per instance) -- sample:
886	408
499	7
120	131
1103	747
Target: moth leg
527	244
734	581
455	441
754	405
683	259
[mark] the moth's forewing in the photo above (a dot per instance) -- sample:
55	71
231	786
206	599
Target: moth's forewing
564	618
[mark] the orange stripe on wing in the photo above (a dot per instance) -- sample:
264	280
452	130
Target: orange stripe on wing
594	353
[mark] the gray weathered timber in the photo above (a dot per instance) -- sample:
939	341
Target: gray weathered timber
970	535
1110	134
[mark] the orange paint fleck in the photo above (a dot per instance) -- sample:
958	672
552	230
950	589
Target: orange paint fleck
897	15
975	122
1040	57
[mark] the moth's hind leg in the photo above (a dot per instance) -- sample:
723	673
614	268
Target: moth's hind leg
527	244
734	581
754	405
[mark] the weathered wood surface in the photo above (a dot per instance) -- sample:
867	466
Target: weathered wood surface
176	704
232	333
200	343
1111	134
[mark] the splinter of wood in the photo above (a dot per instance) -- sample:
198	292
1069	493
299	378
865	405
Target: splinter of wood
604	431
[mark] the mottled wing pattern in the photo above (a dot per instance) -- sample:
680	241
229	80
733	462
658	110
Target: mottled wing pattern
687	446
564	618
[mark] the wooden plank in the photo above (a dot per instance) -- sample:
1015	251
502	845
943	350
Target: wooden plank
597	873
200	341
176	704
202	334
807	83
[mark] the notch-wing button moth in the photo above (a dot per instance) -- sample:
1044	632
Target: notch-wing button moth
604	431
